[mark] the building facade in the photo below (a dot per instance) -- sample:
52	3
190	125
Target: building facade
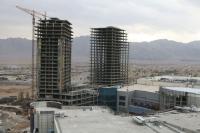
138	99
54	37
108	97
171	97
109	56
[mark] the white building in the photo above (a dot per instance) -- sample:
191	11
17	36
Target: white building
42	116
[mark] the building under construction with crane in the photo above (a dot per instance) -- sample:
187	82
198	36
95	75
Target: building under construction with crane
53	62
54	40
35	15
109	60
53	57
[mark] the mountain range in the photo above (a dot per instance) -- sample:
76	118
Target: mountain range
18	51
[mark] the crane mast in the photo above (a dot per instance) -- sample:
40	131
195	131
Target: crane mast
39	15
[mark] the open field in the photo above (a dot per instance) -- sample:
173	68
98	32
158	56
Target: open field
13	90
137	71
80	73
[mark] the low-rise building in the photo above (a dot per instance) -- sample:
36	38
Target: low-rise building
107	96
131	97
179	96
42	116
50	118
170	81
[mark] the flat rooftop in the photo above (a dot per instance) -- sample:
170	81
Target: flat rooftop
140	88
98	120
182	89
102	120
174	78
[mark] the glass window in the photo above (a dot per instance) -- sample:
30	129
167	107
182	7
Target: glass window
122	98
122	103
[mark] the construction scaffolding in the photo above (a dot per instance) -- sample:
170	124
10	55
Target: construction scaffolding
80	97
109	56
54	38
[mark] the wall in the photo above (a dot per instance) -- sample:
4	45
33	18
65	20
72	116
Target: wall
145	99
137	98
194	100
171	98
144	81
123	100
108	97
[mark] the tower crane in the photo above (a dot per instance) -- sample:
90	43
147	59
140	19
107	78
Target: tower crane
34	15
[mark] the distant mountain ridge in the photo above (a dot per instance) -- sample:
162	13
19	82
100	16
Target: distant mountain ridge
167	51
15	51
18	51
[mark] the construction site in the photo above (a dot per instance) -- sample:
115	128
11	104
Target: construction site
53	57
107	102
54	38
109	62
51	68
109	56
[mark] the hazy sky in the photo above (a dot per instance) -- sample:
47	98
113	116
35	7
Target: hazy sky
144	20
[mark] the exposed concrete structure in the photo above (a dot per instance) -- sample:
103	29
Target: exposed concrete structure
54	38
79	97
179	96
53	57
109	56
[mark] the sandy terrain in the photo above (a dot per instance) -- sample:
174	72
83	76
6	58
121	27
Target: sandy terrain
16	123
13	90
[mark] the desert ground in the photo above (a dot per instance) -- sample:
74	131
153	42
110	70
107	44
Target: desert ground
14	90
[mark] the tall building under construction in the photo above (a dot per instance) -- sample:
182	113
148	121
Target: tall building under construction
109	56
54	37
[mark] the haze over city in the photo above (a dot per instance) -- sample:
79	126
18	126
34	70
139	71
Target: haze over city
99	66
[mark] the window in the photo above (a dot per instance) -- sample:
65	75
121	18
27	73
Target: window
122	98
122	103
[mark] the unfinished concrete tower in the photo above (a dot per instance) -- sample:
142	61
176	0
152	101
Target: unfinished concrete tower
109	56
53	58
